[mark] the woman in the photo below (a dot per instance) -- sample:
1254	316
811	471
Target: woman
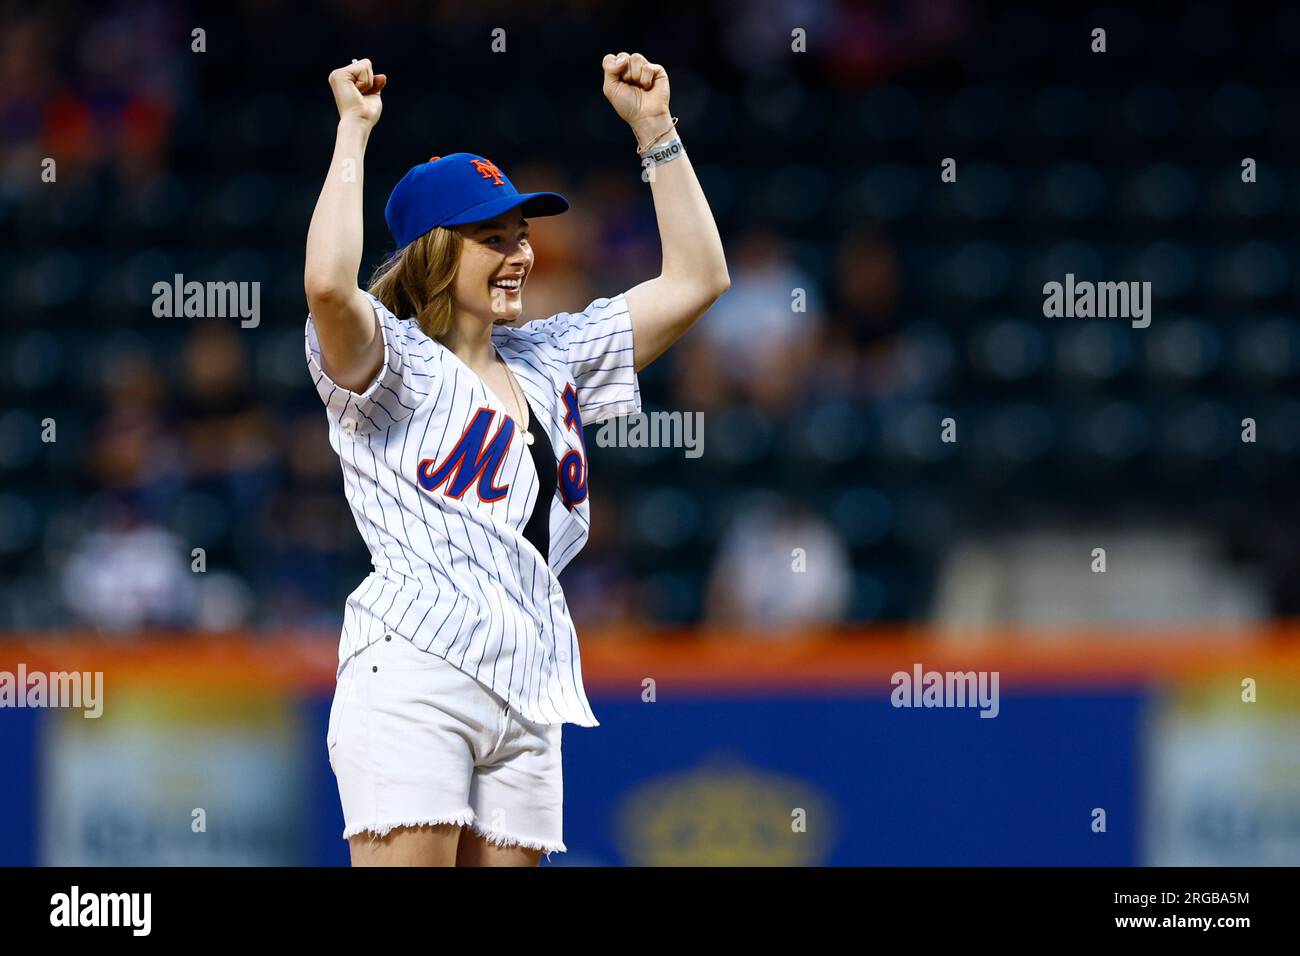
459	431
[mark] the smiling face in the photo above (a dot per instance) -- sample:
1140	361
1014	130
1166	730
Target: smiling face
495	261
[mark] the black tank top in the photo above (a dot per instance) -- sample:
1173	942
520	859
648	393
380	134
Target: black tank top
538	529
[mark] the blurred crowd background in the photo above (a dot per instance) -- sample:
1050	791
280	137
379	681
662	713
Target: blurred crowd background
920	301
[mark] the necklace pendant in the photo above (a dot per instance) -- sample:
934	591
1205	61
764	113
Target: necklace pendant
528	438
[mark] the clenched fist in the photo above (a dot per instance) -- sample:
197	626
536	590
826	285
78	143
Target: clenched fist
356	91
638	91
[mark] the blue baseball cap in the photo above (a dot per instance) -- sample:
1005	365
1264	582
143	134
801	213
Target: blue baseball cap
457	189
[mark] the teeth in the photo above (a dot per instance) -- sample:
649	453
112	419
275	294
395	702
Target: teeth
507	283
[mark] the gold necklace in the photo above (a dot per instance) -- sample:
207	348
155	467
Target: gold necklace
510	380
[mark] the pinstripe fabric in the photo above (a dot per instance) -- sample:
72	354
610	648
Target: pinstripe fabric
456	575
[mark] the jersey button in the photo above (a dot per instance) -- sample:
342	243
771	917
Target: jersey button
349	426
562	656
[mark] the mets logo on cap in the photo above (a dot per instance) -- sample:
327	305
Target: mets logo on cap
489	170
455	190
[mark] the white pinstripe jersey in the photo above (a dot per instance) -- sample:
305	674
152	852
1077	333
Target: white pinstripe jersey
442	487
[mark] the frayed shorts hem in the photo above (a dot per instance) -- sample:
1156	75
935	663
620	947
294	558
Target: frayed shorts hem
377	830
501	838
464	818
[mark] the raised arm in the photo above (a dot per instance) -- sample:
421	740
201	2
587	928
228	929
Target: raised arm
352	349
694	270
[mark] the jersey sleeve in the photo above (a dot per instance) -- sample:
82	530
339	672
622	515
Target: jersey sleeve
401	384
596	345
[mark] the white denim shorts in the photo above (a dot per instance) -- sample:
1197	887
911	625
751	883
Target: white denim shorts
415	740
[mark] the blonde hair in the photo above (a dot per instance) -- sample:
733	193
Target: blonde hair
417	281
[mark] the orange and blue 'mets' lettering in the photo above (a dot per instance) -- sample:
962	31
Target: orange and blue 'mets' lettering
573	466
468	461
